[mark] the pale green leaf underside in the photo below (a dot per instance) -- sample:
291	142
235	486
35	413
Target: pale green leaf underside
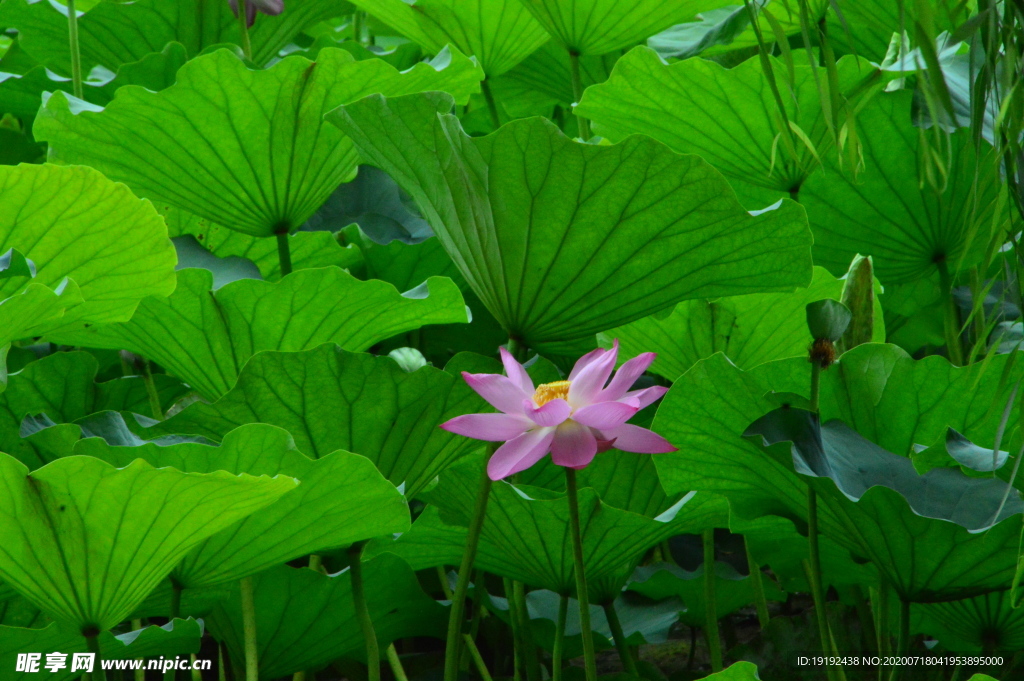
499	33
561	240
77	225
330	399
86	542
601	26
205	337
305	619
750	330
341	499
241	148
890	211
726	116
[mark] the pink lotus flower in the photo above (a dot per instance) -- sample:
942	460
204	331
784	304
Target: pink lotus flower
573	419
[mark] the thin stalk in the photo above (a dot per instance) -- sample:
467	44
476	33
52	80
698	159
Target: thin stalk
556	651
813	567
903	642
151	392
516	349
243	29
355	555
458	611
442	577
175	609
492	107
530	660
577	94
815	385
252	651
867	624
196	674
628	663
140	674
396	663
478	659
710	603
951	318
757	582
76	55
590	662
92	644
517	640
284	254
316	563
222	672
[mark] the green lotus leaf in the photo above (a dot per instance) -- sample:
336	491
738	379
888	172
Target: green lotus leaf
732	590
341	499
403	265
927	559
330	399
178	637
738	671
241	148
981	625
308	249
112	34
63	387
16	146
602	26
305	619
137	523
499	33
120	250
713	28
750	329
191	602
727	116
647	228
205	337
887	213
867	26
526	531
545	78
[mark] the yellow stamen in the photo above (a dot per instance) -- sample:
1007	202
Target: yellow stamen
551	391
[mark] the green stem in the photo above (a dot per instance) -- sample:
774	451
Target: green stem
442	577
530	661
478	659
76	55
458	611
815	385
243	29
951	319
92	644
140	674
492	107
577	94
252	651
903	641
625	656
710	603
516	349
757	582
355	555
151	392
222	672
284	254
556	651
814	576
396	663
590	662
513	621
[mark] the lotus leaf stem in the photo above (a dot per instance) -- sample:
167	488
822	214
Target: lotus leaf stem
590	662
76	54
577	94
355	554
710	602
559	643
625	655
252	651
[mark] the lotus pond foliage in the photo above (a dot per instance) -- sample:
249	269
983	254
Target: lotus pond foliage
525	340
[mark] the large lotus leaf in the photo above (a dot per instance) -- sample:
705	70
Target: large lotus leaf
750	329
86	542
330	399
727	116
341	499
926	558
601	26
738	671
308	249
889	212
92	242
16	146
984	624
499	33
561	240
205	337
63	387
866	27
178	637
241	148
732	590
546	77
305	619
112	34
526	532
403	265
191	602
